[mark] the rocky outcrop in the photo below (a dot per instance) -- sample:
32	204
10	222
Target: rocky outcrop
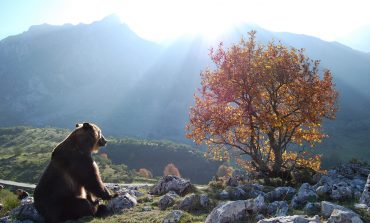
123	201
233	211
172	183
292	219
280	193
305	194
343	183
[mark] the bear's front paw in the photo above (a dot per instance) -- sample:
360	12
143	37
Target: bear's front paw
114	195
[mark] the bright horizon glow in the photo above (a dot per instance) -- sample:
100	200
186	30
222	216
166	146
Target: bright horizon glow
167	19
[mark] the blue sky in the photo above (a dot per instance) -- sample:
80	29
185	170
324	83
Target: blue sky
161	19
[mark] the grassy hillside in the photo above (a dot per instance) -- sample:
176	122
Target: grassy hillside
155	155
25	152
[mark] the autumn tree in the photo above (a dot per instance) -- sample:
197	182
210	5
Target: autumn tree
171	169
145	173
265	105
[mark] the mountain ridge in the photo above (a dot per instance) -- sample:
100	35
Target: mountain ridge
105	73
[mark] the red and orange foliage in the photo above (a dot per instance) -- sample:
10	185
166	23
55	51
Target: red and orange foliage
225	171
260	101
145	173
171	169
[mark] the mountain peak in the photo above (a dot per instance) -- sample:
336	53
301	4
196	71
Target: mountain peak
113	18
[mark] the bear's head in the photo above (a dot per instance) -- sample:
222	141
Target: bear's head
88	137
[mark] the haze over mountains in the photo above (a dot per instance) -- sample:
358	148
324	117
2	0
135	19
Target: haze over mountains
358	39
103	72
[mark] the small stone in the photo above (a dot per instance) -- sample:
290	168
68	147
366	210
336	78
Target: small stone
232	181
27	200
305	194
360	206
259	217
312	208
252	190
292	219
26	212
323	190
173	217
166	201
341	216
167	183
327	208
281	193
146	208
5	219
118	204
195	202
223	195
235	193
341	192
233	211
278	208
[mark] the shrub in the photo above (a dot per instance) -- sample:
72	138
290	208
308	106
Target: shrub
171	169
145	173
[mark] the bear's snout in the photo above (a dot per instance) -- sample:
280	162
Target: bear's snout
102	141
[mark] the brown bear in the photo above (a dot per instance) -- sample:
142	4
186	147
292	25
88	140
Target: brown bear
71	185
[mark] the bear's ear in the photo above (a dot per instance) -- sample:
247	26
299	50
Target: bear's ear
86	125
78	125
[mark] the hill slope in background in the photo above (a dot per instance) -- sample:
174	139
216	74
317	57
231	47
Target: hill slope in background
25	152
104	73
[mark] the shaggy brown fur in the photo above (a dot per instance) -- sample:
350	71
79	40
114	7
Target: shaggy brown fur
71	183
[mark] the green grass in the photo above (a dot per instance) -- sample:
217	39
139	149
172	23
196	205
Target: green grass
137	214
9	201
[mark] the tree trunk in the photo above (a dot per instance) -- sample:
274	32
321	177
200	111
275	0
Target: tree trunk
278	162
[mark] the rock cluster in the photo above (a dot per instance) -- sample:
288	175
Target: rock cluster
244	202
343	183
172	183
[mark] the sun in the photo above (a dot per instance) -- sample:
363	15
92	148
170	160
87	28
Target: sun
168	19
